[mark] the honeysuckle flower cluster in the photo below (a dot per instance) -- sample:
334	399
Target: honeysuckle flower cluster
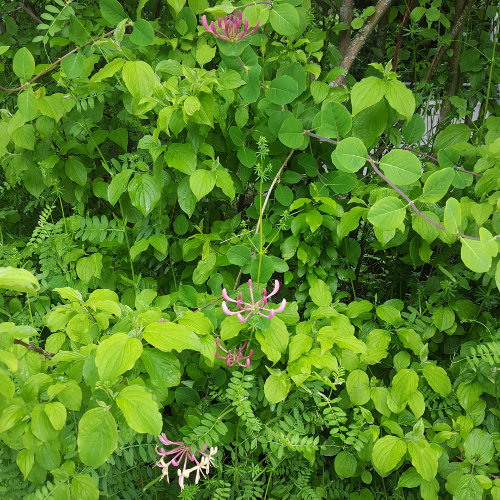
230	27
182	456
235	356
253	307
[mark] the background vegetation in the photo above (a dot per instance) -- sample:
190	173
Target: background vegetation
349	150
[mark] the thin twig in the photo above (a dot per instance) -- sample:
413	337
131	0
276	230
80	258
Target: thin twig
412	205
33	347
275	180
29	11
48	68
435	160
401	193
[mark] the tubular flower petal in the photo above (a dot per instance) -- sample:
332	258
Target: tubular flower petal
234	357
229	27
252	307
183	453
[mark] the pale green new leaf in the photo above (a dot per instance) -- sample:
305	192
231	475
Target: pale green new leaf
387	213
387	452
97	437
366	93
140	410
117	354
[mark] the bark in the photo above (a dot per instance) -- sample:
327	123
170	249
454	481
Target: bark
456	30
24	6
346	15
356	43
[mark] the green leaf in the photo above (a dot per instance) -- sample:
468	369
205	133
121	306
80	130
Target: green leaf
333	121
299	344
400	98
97	437
52	106
201	183
452	134
27	104
57	414
409	479
239	255
139	78
401	167
83	487
437	185
358	387
452	215
89	267
282	90
76	170
24	136
116	355
341	332
144	193
314	220
191	105
291	133
25	460
273	340
118	185
320	293
349	155
73	65
142	34
224	180
345	464
404	383
108	71
388	213
438	379
416	403
112	11
169	336
424	458
475	256
18	280
181	157
23	64
366	93
230	327
469	488
478	447
387	452
140	410
285	19
277	387
163	368
413	130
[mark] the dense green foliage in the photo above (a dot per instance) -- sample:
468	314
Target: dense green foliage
147	164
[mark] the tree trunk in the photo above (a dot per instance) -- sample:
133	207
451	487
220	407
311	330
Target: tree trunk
455	33
356	43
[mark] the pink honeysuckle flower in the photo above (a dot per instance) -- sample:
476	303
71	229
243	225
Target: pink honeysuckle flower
230	27
254	307
182	453
236	356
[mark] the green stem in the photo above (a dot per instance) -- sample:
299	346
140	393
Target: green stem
261	234
128	243
488	89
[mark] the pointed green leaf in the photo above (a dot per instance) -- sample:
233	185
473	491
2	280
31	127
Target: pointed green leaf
401	167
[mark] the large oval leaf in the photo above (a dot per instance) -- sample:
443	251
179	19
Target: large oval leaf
387	214
401	167
387	452
97	437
